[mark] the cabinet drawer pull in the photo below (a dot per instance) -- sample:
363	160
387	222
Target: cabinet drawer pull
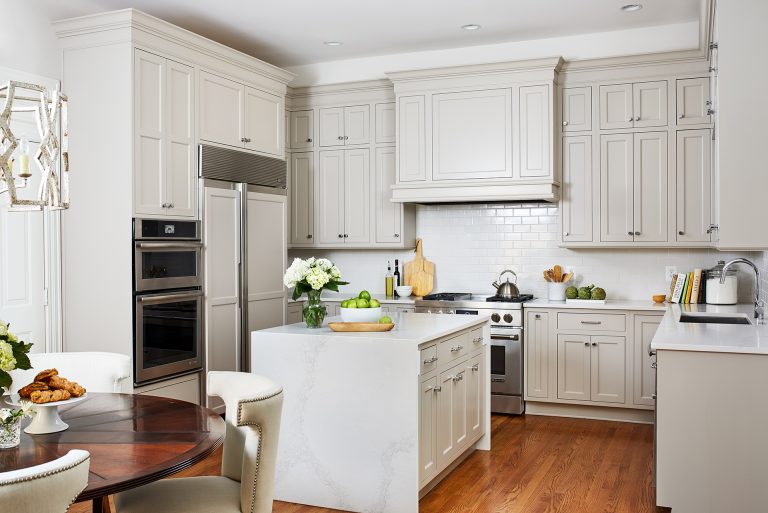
458	377
477	340
430	360
475	367
637	118
592	322
456	349
681	232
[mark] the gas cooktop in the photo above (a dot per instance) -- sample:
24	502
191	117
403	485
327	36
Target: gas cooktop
461	300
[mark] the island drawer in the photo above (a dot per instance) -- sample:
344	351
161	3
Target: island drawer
454	348
591	321
429	359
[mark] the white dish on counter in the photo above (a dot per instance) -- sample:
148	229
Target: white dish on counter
361	314
404	290
46	418
585	301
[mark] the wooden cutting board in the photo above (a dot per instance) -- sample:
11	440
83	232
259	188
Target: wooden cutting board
359	326
419	273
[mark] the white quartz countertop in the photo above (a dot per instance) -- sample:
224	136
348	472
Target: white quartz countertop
337	297
718	338
411	328
611	304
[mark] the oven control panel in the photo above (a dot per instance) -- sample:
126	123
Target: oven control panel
498	317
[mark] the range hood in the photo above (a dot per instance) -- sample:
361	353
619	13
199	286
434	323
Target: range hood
475	192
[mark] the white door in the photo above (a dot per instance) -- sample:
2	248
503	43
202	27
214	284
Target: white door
357	196
537	354
651	183
385	123
616	188
263	129
573	362
332	126
357	124
694	185
693	101
302	129
472	135
577	109
650	104
388	215
474	376
221	110
302	199
181	174
330	185
616	106
577	189
644	374
608	369
427	428
535	147
411	139
150	129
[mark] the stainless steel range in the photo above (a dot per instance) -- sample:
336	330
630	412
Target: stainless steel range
506	340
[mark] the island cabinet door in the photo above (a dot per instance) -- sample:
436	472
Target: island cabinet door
608	369
451	415
427	424
475	370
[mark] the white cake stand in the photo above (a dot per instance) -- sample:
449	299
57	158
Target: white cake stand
47	419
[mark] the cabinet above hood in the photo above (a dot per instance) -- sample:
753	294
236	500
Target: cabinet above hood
477	133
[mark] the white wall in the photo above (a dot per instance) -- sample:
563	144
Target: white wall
681	36
27	41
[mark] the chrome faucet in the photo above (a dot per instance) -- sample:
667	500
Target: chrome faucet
759	305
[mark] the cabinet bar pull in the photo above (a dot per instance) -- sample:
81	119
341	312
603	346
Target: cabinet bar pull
477	340
430	360
438	388
475	367
591	322
458	377
456	349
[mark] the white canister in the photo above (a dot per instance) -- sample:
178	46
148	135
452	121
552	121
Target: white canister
556	291
721	293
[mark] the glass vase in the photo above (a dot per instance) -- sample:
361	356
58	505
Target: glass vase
10	433
314	310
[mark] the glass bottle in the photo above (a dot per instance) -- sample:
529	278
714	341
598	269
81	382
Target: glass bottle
389	282
397	276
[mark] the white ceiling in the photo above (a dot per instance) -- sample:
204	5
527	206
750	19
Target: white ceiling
290	33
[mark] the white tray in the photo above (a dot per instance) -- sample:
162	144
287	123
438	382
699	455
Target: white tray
585	301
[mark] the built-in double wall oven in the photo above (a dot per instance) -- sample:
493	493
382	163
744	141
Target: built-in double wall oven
168	298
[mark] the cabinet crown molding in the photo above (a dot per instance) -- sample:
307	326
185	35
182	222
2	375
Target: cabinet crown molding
382	86
549	64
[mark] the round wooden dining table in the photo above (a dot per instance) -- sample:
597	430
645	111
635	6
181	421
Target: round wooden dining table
133	440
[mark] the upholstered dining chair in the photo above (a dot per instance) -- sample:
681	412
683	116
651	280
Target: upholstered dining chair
47	488
96	371
246	485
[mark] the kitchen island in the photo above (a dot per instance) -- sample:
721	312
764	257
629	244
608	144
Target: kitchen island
372	421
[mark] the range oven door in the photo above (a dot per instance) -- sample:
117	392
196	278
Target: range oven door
168	334
507	361
167	265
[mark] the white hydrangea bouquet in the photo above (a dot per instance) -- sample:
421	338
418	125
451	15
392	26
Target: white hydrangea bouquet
312	276
13	355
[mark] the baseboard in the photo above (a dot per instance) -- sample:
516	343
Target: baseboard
589	412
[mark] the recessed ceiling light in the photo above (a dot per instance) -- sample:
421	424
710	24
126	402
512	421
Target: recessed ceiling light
471	26
631	7
332	43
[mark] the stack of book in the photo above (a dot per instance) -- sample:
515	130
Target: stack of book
687	288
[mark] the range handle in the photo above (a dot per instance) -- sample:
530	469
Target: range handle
162	298
169	245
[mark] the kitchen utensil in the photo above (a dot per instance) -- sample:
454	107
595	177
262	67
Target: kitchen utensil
507	289
347	327
659	298
419	273
567	277
361	314
558	271
556	291
546	276
721	293
404	290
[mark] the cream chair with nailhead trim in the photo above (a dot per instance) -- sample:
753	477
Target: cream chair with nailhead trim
47	488
246	485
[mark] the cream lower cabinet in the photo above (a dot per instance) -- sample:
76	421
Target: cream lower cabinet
427	430
294	312
451	414
644	375
537	354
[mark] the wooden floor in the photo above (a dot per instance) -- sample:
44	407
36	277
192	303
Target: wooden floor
538	464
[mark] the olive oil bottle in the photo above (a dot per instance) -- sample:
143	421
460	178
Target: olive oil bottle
389	282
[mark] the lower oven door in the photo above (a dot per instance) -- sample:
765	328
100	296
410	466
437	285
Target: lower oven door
168	335
507	361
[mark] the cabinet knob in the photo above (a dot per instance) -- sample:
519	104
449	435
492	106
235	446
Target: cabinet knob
340	138
341	236
681	232
653	396
309	236
170	205
629	233
458	377
165	205
346	137
309	140
681	116
475	367
346	236
637	118
594	344
566	234
637	233
630	119
242	139
565	123
586	344
537	316
397	235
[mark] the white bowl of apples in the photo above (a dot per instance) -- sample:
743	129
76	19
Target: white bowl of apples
361	309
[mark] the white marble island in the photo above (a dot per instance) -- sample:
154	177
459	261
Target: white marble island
371	420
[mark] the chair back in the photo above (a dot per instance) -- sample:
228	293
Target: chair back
96	371
254	405
47	488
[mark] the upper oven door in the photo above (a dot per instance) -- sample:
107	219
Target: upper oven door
167	265
506	361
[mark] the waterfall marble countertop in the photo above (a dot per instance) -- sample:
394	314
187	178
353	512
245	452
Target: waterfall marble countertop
708	337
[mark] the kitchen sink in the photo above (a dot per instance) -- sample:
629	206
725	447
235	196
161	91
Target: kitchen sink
715	318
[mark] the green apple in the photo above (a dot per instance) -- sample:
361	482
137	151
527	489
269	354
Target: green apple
365	295
362	303
385	320
352	303
344	303
374	303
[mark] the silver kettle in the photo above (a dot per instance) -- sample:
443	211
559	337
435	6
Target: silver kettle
507	289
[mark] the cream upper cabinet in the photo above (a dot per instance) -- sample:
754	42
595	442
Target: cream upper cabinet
616	106
576	205
537	354
221	110
357	194
472	135
427	431
573	367
607	369
341	126
694	185
332	127
385	123
264	118
331	205
693	101
181	178
616	188
302	131
389	215
644	385
650	187
411	139
638	105
535	132
577	109
302	196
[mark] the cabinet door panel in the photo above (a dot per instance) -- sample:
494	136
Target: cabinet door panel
331	198
264	122
427	431
446	411
302	129
694	185
472	135
534	131
221	110
608	369
302	199
332	127
577	109
616	106
388	214
616	188
692	98
411	139
650	191
650	104
644	374
577	189
385	123
537	355
181	176
357	196
474	376
573	367
150	126
357	124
